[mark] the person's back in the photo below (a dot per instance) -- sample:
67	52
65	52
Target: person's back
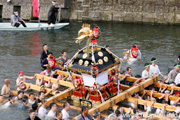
42	112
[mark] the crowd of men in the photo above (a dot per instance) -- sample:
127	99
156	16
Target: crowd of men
38	104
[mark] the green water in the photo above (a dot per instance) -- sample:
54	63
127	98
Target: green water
20	51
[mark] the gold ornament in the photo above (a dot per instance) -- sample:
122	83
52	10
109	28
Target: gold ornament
80	62
84	55
100	61
93	58
100	54
86	63
105	59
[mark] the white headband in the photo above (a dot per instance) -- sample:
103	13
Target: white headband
53	2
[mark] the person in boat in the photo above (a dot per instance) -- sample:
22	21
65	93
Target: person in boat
42	112
146	73
64	57
22	86
1	99
154	68
16	21
44	52
51	14
11	101
32	115
135	54
49	61
31	99
5	91
52	112
173	73
19	96
22	77
23	105
84	114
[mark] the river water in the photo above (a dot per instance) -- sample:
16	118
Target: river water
20	51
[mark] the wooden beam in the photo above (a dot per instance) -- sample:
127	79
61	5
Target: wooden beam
60	72
168	86
124	87
144	113
156	105
53	80
37	88
156	94
131	79
60	96
111	102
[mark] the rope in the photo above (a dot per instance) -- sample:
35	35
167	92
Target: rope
101	96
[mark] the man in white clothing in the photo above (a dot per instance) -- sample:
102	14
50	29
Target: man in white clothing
177	80
146	73
31	99
65	114
52	112
154	68
135	54
42	112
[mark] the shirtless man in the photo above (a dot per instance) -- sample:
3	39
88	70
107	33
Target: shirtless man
22	77
5	91
1	99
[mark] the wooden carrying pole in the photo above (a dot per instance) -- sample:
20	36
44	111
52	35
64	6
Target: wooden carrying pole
60	96
168	86
126	110
53	80
155	105
124	95
37	88
156	94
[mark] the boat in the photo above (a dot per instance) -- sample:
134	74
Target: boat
31	27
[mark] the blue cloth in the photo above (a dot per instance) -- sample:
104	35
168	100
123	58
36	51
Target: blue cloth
44	62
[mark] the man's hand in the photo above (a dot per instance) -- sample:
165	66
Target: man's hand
58	10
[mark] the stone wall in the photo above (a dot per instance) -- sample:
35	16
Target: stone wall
141	11
26	8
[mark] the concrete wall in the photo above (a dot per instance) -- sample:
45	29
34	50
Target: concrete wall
26	8
147	11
